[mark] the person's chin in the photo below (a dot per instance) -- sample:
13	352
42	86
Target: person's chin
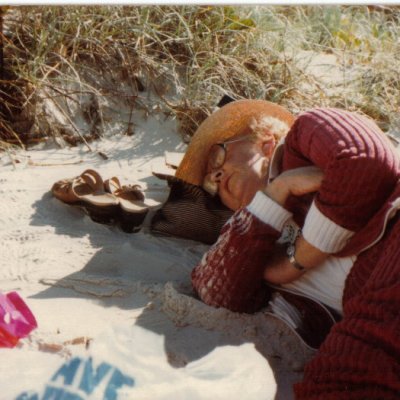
238	198
230	202
248	194
235	204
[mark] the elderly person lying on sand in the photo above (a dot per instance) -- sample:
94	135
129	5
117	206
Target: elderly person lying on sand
315	203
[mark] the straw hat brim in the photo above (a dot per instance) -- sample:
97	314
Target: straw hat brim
228	122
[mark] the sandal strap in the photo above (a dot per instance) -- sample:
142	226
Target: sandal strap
113	185
134	190
91	178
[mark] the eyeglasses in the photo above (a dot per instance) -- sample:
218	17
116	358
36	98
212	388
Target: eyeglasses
217	158
217	155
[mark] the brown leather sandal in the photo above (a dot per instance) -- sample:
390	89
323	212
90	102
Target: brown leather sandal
87	191
132	209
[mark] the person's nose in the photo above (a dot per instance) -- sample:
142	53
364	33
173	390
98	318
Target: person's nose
217	175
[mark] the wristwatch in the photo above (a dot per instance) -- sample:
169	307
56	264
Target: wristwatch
290	252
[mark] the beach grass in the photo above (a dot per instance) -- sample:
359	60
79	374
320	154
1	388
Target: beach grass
197	53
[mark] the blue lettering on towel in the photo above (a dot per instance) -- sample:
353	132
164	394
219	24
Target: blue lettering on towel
66	376
91	379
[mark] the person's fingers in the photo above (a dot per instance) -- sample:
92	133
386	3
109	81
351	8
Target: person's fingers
302	180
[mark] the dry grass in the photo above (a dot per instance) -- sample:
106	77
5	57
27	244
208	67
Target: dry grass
67	53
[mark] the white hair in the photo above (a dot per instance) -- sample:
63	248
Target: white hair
267	126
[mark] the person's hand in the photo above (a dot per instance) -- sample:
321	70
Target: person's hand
279	270
295	182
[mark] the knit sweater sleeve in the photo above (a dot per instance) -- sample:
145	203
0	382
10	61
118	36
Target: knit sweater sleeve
360	357
360	171
230	274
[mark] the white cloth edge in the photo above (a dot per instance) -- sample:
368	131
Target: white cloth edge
323	233
268	211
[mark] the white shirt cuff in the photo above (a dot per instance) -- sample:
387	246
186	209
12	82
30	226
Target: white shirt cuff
323	233
268	211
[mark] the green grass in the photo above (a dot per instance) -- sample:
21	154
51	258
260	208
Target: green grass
207	51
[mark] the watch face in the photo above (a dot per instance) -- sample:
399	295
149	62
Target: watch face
290	250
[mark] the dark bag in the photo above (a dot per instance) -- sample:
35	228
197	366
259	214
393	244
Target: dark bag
190	212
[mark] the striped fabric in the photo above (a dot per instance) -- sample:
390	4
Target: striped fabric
191	213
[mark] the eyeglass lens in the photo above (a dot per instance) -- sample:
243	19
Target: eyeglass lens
217	155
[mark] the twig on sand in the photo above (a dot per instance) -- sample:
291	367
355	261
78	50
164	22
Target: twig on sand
40	164
61	347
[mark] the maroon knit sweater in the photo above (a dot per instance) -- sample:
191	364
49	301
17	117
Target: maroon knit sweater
360	359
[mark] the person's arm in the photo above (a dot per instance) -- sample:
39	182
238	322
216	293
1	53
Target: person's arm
294	182
360	167
230	274
360	171
279	270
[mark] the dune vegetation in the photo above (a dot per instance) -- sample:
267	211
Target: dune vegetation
190	56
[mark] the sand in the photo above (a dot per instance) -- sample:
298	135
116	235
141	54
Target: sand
122	301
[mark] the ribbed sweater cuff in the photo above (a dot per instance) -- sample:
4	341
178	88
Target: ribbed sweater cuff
268	211
323	233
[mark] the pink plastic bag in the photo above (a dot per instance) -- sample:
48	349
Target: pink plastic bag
16	319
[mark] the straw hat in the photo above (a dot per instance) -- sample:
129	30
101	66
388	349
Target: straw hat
228	122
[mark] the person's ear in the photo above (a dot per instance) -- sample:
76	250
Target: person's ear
268	146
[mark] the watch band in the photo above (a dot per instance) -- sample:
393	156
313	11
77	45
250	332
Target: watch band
290	252
295	264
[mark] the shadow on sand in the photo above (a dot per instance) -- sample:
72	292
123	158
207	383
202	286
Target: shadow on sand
131	271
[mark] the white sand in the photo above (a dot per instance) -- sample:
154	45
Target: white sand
129	293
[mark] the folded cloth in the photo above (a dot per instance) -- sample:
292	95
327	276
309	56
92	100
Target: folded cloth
308	319
189	212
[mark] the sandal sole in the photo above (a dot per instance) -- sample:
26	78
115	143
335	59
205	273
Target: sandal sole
131	222
105	215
